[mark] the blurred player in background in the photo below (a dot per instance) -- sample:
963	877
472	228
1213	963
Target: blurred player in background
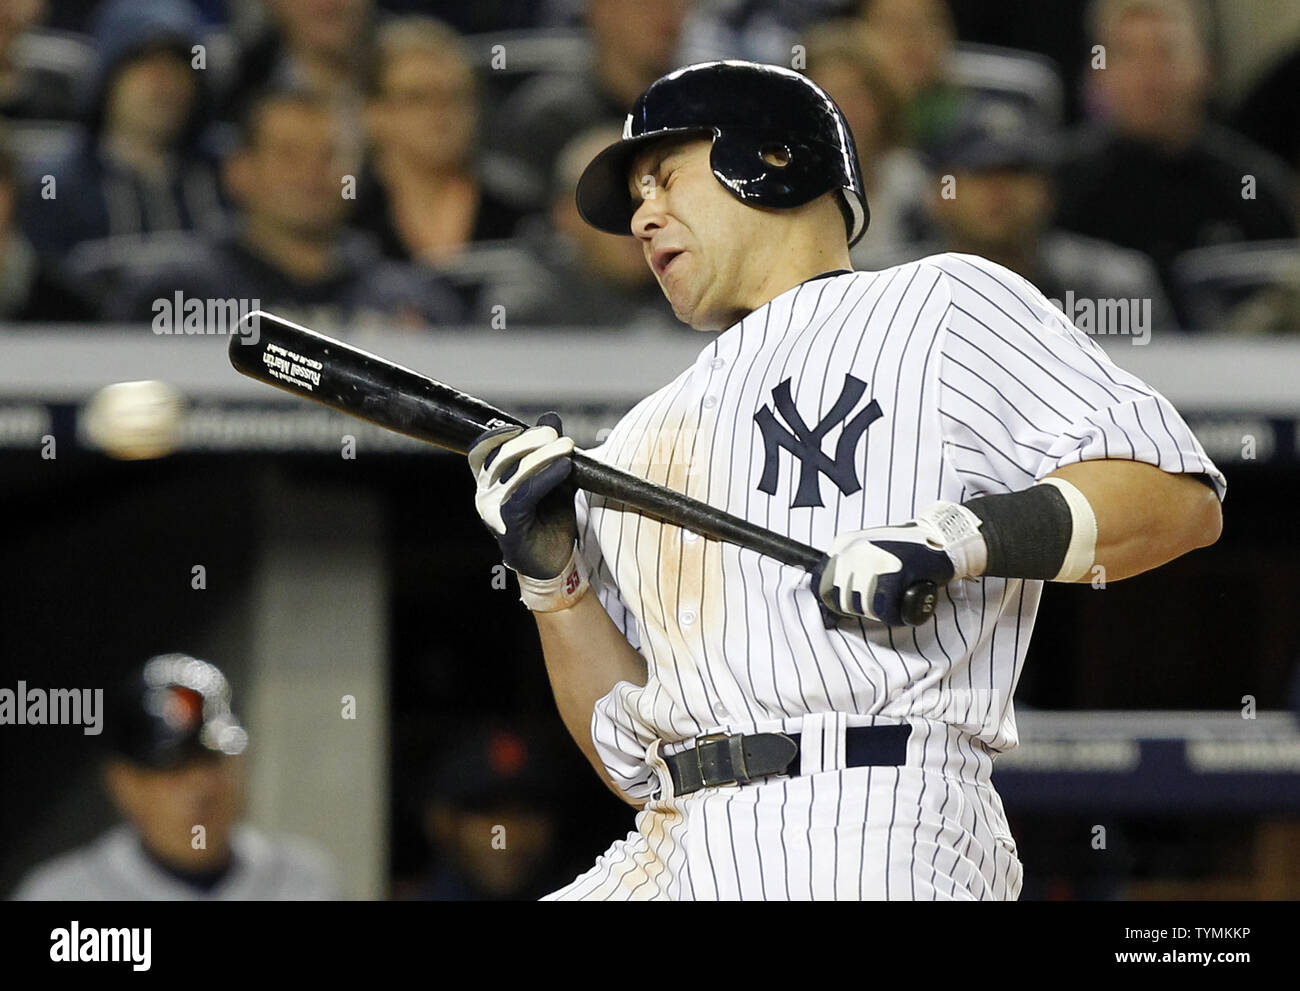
489	815
176	776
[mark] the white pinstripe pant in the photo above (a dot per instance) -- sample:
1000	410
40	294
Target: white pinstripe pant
908	832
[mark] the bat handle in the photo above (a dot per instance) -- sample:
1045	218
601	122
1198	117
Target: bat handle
708	521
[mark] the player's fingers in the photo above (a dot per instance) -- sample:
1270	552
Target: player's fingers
480	453
523	500
886	601
534	462
551	419
517	448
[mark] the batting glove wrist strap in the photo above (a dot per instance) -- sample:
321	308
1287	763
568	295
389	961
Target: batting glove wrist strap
560	592
958	530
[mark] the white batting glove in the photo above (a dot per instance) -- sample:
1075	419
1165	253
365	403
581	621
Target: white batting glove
525	498
868	573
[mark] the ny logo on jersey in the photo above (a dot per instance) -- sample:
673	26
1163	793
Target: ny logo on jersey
805	442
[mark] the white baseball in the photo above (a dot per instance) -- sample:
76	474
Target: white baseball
135	420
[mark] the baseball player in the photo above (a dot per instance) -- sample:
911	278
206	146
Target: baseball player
174	764
939	421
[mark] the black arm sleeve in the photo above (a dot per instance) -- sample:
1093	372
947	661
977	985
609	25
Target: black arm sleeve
1027	533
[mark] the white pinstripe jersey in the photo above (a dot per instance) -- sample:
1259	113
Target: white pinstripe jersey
980	386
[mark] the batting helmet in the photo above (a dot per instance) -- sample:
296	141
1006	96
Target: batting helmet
758	115
176	707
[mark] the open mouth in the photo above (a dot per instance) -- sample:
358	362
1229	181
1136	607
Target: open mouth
664	258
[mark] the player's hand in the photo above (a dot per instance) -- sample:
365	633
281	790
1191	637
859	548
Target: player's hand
868	572
525	495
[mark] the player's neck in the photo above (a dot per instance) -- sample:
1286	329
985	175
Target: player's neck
814	261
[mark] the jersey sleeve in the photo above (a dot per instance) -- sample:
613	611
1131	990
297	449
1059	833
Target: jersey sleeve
1023	392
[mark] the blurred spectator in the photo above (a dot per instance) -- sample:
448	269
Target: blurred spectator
322	46
292	250
426	198
571	273
1251	287
29	291
756	30
139	169
896	177
30	89
175	768
490	818
1157	175
1270	311
1270	113
998	205
1273	307
632	44
1053	30
913	42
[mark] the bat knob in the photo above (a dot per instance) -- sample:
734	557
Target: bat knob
918	603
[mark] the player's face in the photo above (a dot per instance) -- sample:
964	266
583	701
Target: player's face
165	806
713	256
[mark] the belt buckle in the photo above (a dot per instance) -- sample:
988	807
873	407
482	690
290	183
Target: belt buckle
735	752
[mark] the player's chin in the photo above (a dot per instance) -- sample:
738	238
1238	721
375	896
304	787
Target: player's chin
695	319
690	311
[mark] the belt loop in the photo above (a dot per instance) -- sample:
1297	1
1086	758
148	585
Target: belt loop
812	744
822	742
654	759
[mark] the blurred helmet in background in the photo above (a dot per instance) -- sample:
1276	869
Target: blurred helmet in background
173	709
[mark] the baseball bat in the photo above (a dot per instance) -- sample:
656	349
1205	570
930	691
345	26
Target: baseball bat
346	378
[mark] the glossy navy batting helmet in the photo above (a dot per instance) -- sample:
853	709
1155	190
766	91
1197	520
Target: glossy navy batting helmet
758	116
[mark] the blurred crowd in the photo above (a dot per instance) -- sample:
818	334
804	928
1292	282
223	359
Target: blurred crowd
408	165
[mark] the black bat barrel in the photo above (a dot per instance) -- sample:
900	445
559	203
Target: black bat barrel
298	360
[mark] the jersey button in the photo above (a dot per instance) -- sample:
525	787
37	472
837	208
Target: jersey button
710	402
717	362
720	711
686	616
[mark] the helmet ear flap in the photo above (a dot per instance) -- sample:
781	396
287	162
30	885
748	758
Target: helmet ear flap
769	170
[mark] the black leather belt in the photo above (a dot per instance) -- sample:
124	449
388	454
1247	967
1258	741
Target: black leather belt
737	758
